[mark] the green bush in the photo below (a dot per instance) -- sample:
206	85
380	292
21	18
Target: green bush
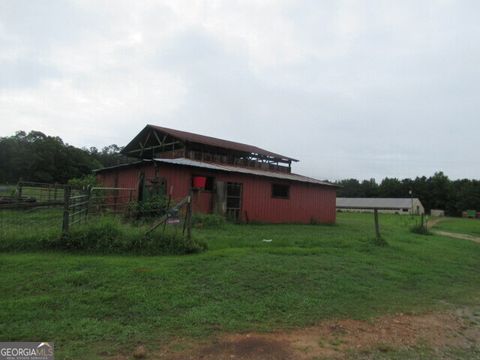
155	206
208	220
109	235
420	229
84	181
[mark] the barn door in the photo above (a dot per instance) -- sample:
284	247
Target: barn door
234	201
220	201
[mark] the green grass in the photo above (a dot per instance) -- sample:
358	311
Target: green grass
91	305
460	225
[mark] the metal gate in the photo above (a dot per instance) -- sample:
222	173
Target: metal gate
79	205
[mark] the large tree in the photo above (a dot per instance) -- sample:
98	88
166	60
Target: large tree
39	157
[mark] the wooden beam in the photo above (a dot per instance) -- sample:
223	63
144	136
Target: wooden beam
154	147
147	138
156	137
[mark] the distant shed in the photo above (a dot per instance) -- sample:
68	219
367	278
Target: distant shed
385	205
437	212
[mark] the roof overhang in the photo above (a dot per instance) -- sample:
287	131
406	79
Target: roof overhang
279	176
244	170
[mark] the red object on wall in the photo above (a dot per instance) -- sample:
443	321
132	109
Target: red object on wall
199	182
306	202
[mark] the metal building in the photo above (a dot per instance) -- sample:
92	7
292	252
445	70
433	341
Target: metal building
385	205
240	181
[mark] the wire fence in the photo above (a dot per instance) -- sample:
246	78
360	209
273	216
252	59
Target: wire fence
32	193
30	223
116	201
30	209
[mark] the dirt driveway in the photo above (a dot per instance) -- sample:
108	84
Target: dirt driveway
342	339
457	235
431	223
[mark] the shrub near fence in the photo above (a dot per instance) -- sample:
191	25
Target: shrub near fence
108	234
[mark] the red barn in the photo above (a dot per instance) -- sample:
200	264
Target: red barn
240	181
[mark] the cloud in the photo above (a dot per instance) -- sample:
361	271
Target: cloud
361	89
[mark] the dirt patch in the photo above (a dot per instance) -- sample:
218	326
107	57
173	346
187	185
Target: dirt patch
457	236
336	339
434	221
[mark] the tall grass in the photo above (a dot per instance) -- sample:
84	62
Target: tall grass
41	230
109	235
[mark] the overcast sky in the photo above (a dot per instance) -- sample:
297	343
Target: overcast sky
351	88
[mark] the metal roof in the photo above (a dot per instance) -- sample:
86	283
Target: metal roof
241	170
212	141
372	203
120	165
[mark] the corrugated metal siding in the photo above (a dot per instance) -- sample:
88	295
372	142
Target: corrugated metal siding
306	201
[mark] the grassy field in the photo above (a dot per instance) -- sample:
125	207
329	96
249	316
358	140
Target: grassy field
93	306
460	225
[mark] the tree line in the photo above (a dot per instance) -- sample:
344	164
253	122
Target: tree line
435	192
35	156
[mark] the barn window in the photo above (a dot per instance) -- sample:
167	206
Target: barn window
280	191
209	183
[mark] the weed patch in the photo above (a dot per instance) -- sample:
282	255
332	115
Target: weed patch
208	220
105	235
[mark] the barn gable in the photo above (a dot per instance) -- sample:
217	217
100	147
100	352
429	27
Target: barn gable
160	142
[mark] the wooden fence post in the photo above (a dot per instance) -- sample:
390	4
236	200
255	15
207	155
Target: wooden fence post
87	205
66	209
19	191
377	225
189	218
